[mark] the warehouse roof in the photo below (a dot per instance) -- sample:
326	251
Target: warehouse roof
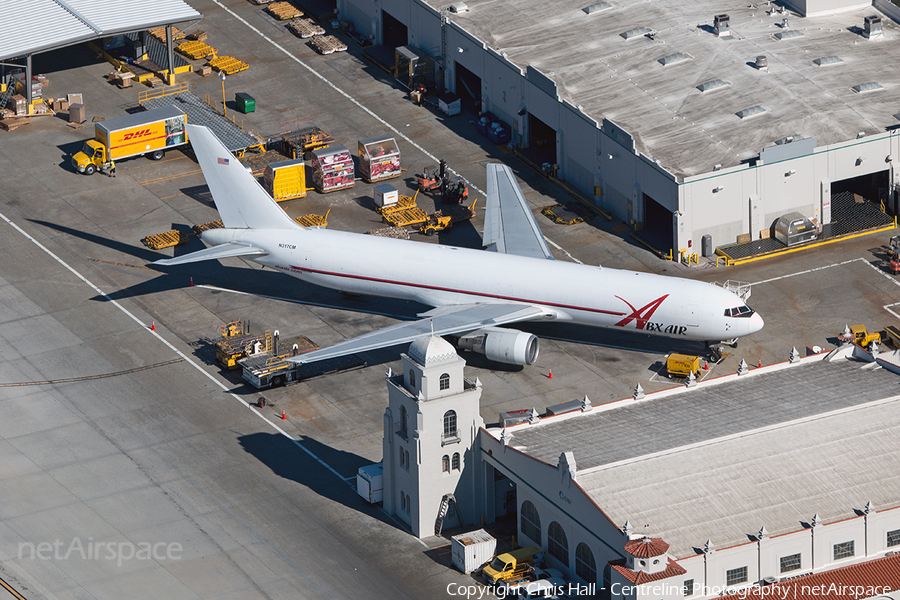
33	26
643	65
720	461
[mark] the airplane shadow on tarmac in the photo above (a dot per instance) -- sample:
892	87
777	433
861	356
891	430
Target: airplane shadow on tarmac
286	460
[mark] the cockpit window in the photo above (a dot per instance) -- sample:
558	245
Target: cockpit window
740	311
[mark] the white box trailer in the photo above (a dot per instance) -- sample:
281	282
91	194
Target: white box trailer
370	483
471	551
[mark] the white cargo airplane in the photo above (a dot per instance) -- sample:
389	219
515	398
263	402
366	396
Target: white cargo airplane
474	292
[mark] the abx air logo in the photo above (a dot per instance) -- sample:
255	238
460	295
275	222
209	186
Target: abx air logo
641	315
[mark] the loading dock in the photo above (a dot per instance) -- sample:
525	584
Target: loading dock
468	88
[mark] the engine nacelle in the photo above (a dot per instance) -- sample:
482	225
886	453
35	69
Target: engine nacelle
506	346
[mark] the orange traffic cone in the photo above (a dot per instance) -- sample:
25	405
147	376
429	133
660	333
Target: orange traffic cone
550	374
192	281
760	362
153	325
705	366
283	417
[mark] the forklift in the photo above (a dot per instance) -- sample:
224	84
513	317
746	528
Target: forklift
453	190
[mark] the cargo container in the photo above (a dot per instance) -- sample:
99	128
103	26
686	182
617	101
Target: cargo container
471	551
681	365
286	179
333	168
385	195
793	228
369	483
151	133
379	158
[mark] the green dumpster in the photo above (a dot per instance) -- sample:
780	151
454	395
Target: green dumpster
245	102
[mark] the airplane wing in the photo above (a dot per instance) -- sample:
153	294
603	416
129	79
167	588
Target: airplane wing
220	251
444	320
509	225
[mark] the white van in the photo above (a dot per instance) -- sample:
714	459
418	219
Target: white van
548	589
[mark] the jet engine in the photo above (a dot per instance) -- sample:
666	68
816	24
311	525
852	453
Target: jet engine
506	346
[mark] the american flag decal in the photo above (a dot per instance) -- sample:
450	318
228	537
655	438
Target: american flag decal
223	161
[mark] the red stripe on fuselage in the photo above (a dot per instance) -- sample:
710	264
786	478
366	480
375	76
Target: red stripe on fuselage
443	289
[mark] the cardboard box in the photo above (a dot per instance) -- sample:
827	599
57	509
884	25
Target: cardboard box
205	71
76	113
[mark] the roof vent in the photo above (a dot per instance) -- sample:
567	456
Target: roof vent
762	63
785	140
636	32
866	87
828	60
722	25
872	27
596	7
712	84
673	58
788	34
459	7
749	112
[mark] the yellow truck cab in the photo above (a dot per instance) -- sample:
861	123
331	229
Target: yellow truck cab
510	564
151	132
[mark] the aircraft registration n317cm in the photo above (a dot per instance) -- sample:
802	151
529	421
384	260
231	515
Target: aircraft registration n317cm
475	292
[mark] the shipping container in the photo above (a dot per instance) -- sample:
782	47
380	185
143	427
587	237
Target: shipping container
369	483
471	551
286	179
386	195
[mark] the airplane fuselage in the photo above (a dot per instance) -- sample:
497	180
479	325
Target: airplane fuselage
438	275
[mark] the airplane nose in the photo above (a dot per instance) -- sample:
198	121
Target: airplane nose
756	323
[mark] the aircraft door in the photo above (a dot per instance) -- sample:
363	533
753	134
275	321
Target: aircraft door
693	315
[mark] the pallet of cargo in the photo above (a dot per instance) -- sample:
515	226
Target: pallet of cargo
284	11
196	50
295	144
397	233
160	33
404	218
167	239
198	35
327	44
228	64
305	28
312	220
402	203
217	224
257	163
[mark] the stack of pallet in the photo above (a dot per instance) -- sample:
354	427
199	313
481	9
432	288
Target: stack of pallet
160	33
284	11
166	239
305	28
217	224
326	44
229	64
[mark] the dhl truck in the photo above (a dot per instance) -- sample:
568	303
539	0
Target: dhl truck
151	132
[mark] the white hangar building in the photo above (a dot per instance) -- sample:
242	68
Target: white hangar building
661	114
784	471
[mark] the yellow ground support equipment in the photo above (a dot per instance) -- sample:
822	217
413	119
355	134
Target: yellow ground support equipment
682	365
237	344
313	220
217	224
229	64
286	179
284	11
167	239
447	217
893	334
196	50
404	218
402	203
296	144
862	337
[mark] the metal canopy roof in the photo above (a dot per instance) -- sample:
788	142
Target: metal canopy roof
33	26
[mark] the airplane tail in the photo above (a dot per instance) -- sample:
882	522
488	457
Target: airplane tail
241	201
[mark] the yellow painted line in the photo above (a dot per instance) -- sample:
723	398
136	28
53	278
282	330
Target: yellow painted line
10	589
167	197
816	245
169	177
156	162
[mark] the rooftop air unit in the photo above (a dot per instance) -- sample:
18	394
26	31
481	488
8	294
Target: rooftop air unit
762	63
722	25
873	27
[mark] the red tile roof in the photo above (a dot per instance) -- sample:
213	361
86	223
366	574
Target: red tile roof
870	578
640	578
646	547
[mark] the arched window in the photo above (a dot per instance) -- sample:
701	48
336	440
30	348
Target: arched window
402	501
450	424
445	381
407	459
585	567
445	464
408	503
456	461
531	522
557	544
404	420
402	458
412	378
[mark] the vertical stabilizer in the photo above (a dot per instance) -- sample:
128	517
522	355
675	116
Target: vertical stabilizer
241	201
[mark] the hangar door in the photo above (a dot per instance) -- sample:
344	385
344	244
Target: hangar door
658	225
856	203
468	88
541	141
393	33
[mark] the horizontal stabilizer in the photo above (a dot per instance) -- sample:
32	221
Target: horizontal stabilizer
216	252
445	320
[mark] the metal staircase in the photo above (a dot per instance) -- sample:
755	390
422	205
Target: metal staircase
10	90
442	512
